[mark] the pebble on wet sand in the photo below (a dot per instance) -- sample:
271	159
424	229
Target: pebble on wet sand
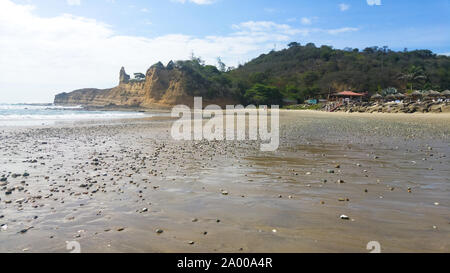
25	230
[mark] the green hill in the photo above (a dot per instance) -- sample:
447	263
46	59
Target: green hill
299	72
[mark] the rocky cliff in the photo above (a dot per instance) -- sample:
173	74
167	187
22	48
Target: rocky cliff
162	87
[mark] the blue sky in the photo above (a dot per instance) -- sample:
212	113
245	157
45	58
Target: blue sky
68	44
397	23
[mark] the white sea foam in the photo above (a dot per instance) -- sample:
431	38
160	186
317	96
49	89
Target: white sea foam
22	114
71	116
37	107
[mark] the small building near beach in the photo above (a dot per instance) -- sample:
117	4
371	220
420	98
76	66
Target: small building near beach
348	96
312	101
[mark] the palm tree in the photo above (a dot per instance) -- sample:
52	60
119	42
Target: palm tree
413	75
389	91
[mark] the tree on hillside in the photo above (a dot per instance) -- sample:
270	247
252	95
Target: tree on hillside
222	67
196	59
139	76
261	94
413	75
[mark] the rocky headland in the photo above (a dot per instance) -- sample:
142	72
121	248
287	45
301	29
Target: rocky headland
163	86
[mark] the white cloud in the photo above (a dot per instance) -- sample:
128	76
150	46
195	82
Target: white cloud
42	56
270	10
198	2
374	2
74	2
261	27
344	7
306	21
341	30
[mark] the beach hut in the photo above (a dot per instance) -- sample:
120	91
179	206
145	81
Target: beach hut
349	96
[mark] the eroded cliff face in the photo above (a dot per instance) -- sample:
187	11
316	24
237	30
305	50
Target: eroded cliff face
162	87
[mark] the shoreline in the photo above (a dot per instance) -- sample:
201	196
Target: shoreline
167	109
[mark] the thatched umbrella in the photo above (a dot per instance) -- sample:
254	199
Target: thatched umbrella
390	97
400	96
446	93
376	97
416	94
435	93
432	93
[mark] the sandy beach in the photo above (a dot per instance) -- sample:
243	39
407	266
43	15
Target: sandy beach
127	186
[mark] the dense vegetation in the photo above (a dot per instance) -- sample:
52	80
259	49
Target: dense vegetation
204	80
301	72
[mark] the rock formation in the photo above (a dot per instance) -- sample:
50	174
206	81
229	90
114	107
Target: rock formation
162	87
124	77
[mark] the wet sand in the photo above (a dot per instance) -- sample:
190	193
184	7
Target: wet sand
112	185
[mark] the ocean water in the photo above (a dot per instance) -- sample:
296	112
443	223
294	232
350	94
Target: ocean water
32	115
